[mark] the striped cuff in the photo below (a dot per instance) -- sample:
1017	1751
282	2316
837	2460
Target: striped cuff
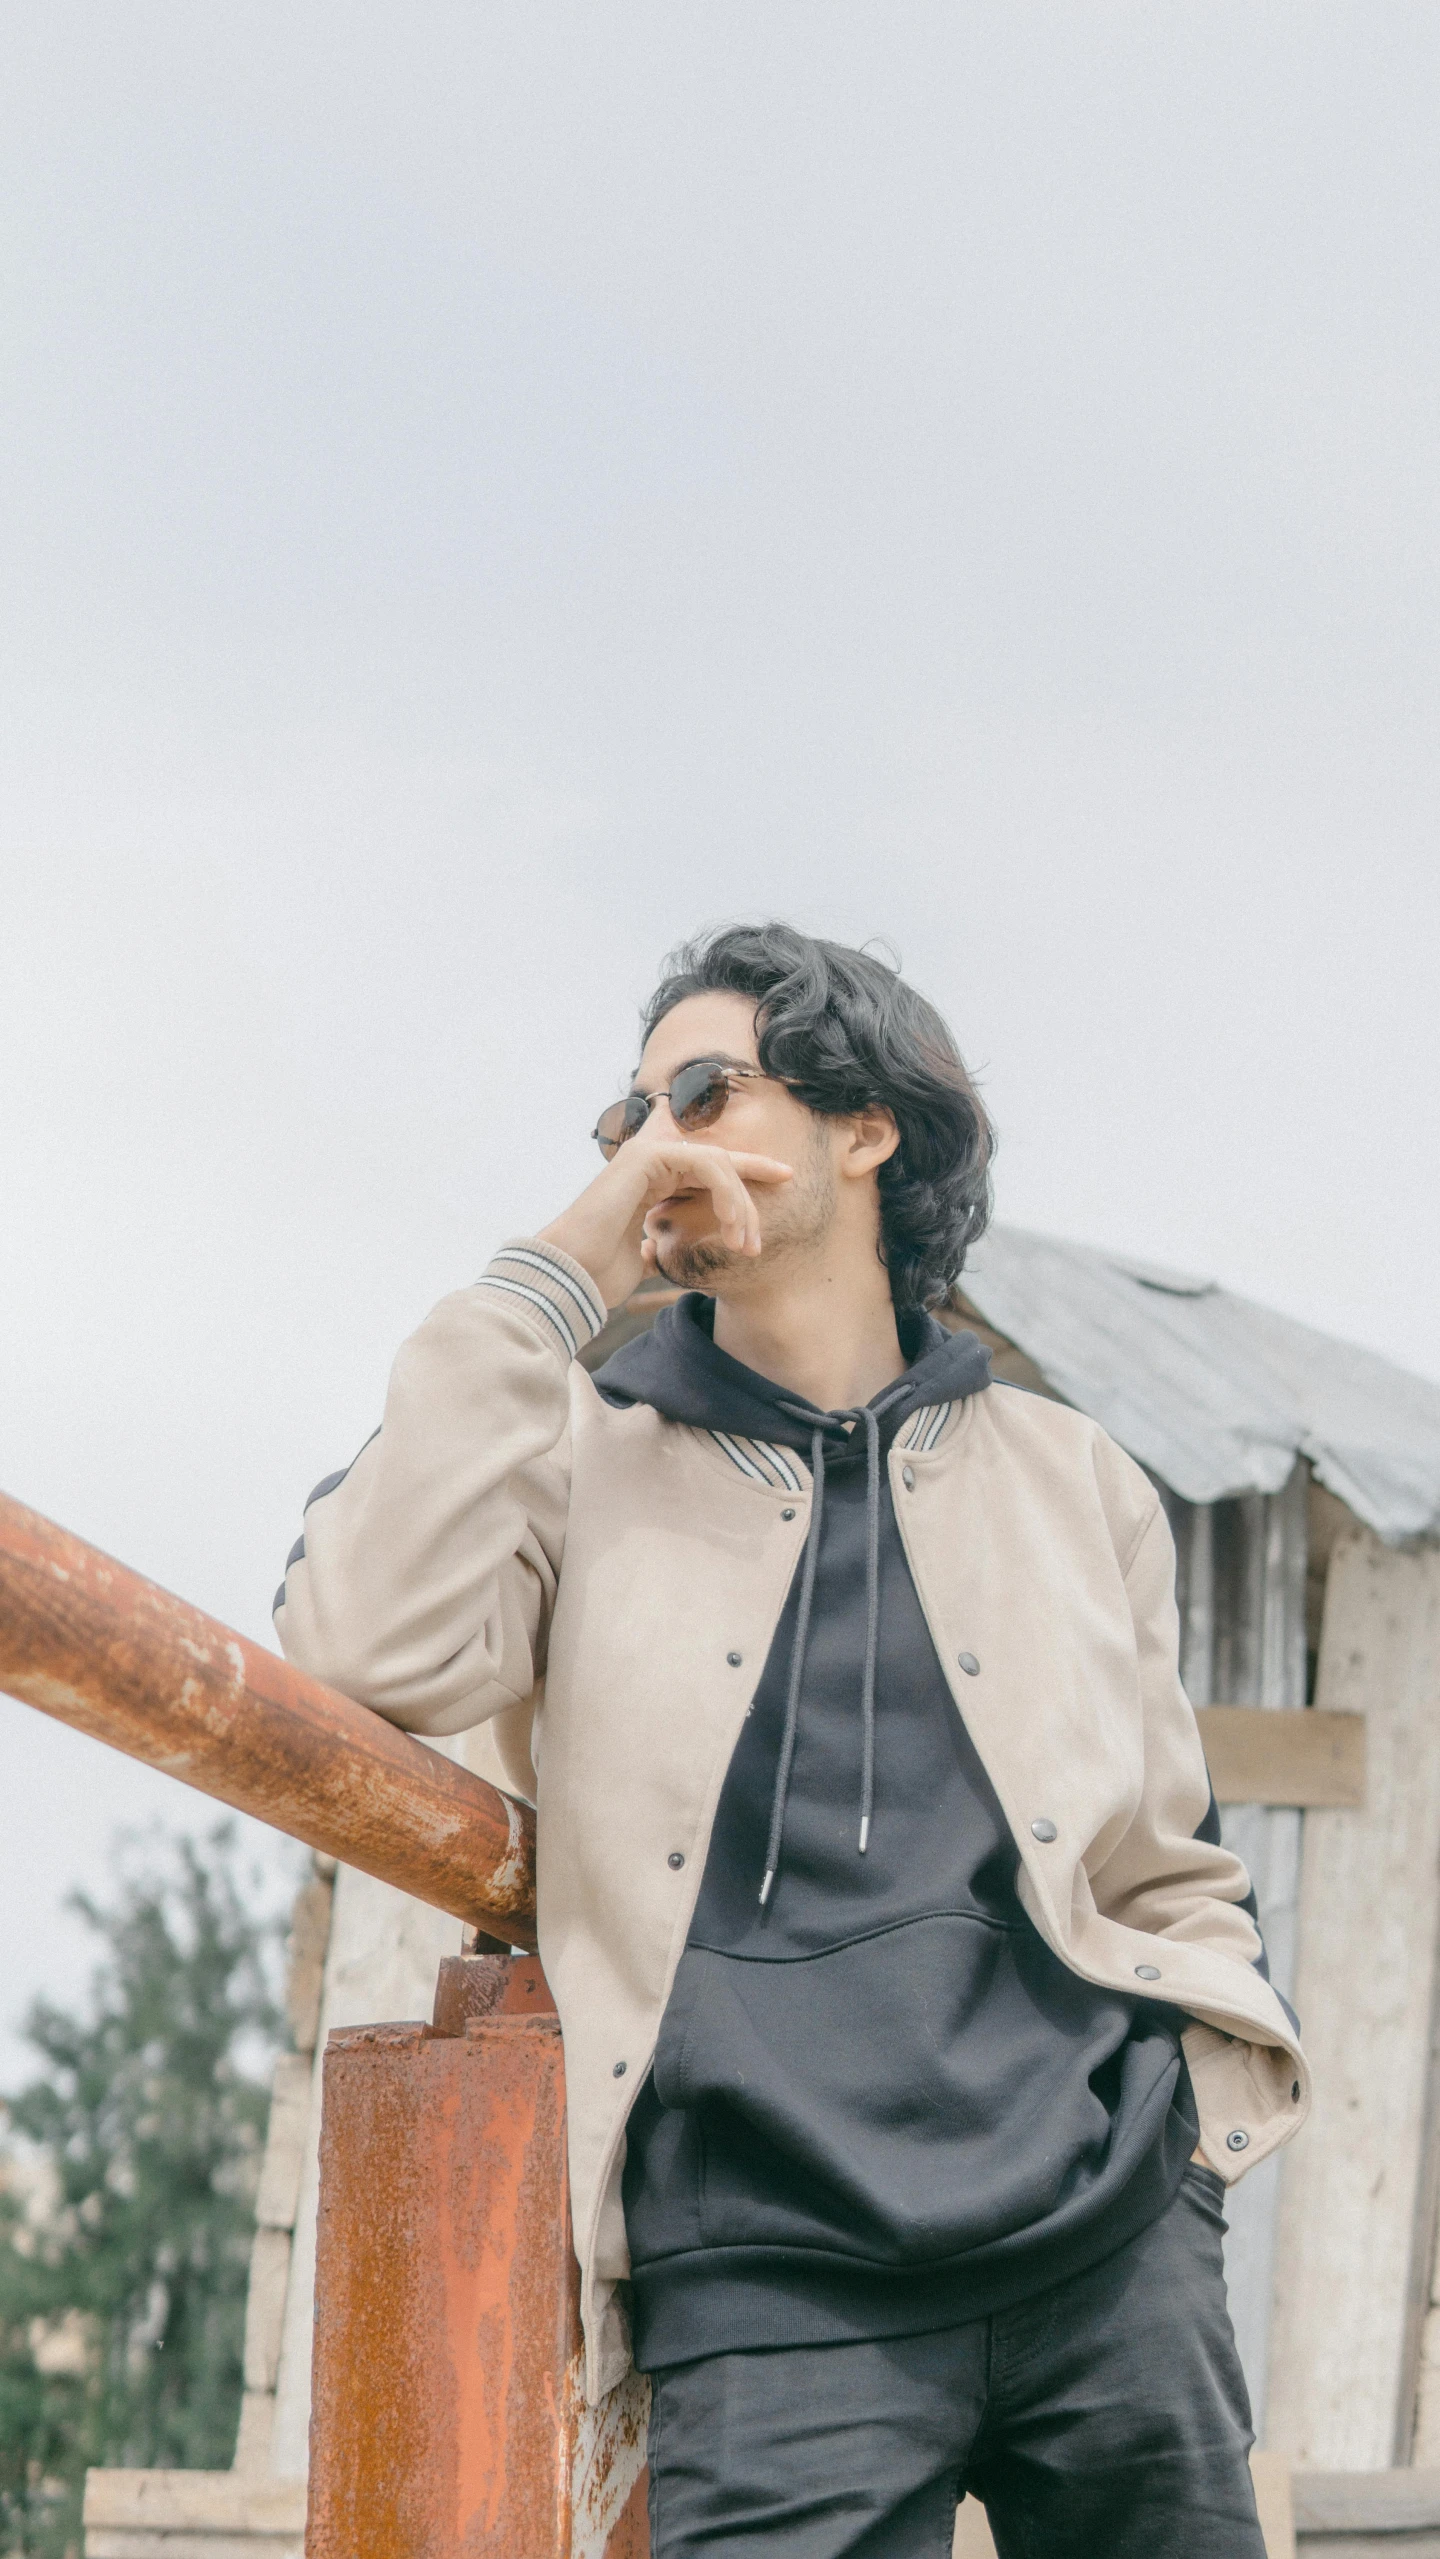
568	1309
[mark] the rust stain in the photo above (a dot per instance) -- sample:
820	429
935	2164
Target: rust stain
486	2338
97	1646
448	2417
610	2444
630	2536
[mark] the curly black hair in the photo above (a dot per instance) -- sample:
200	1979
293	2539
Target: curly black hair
844	1031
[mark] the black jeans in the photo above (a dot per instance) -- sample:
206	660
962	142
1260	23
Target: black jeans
1104	2419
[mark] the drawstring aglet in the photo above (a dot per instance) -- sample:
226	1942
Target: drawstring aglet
864	1834
765	1887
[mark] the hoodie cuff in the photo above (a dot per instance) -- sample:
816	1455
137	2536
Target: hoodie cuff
559	1297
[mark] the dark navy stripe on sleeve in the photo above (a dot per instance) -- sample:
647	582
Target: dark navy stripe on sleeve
329	1483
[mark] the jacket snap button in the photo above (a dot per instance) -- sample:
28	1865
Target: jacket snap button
969	1665
734	1660
907	1478
619	2070
1237	2141
787	1514
1147	1972
676	1858
1044	1830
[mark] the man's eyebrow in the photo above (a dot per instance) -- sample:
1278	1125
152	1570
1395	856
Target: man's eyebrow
703	1057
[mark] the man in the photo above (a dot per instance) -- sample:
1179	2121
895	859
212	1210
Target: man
915	2016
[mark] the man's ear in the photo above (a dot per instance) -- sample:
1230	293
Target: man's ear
873	1139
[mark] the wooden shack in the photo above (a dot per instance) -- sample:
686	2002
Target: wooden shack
1302	1479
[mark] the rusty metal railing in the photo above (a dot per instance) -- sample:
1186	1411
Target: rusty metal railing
450	2419
97	1646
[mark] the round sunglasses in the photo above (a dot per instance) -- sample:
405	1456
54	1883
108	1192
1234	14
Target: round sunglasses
696	1098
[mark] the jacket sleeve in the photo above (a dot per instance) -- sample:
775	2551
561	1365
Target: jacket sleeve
424	1580
1170	1873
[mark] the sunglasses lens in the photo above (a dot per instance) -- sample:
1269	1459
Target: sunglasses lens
698	1096
620	1121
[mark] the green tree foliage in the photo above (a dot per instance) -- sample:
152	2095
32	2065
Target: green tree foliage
126	2197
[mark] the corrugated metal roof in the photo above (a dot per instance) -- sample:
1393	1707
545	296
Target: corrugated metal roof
1214	1394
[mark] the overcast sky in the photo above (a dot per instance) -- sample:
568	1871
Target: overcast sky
490	488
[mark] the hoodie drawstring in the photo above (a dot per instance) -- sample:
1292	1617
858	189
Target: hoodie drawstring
797	1665
867	1415
872	1622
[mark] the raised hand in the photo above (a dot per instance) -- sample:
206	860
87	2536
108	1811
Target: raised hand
604	1229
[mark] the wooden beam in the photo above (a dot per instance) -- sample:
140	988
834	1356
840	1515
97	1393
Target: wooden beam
1272	2501
1260	1756
147	2503
1367	2501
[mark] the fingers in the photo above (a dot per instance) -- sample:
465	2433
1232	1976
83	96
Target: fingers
673	1170
685	1167
753	1168
735	1211
604	1229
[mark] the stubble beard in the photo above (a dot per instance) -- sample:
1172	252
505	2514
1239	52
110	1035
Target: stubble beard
798	1220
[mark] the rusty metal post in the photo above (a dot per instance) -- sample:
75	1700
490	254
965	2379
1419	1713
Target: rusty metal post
98	1647
449	2420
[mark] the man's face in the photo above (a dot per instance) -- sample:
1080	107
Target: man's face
760	1118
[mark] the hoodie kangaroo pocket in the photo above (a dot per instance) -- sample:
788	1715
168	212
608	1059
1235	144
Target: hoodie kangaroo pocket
913	2095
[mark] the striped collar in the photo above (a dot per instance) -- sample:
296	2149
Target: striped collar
785	1469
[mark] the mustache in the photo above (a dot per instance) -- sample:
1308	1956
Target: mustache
691	1265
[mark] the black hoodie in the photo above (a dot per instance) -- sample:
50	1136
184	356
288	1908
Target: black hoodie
879	2103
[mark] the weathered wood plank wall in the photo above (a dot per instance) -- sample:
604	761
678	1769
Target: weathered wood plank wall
1241	1595
1355	2234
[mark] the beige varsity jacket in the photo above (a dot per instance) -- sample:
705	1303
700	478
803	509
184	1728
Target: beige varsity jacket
604	1585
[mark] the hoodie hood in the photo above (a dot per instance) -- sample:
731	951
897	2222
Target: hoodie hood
676	1368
